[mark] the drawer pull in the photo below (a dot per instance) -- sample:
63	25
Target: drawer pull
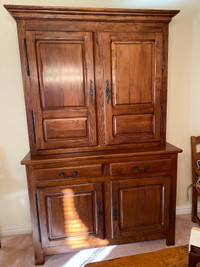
65	176
144	170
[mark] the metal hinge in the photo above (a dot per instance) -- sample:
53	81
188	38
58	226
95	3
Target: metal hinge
26	58
163	57
107	91
91	92
161	121
99	212
115	211
33	126
170	204
37	214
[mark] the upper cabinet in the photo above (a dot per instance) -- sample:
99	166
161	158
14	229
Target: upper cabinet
133	74
93	78
61	70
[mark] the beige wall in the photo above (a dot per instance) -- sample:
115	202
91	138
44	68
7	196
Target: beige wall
183	100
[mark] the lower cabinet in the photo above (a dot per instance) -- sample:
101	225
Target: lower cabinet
140	207
71	215
86	202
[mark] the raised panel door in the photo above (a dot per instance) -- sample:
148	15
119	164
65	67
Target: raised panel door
133	81
140	207
71	215
62	89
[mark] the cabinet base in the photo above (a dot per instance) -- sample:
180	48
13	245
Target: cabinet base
107	199
40	257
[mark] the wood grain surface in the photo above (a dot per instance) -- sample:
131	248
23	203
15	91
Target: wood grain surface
99	170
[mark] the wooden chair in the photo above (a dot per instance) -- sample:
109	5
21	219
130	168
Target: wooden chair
195	140
194	247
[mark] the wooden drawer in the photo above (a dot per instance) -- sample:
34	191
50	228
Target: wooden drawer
68	172
145	166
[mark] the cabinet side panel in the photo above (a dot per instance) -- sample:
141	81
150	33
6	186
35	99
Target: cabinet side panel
26	84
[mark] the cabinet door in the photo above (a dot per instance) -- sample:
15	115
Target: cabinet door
140	207
62	88
132	87
71	216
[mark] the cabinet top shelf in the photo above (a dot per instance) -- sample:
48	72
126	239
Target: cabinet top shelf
162	150
21	12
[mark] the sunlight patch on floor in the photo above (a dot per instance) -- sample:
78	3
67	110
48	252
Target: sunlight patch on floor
88	255
104	253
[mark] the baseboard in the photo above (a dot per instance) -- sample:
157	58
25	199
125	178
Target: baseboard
15	231
183	210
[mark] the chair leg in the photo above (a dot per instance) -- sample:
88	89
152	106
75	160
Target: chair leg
194	198
193	259
194	204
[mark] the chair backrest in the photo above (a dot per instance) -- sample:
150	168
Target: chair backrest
195	140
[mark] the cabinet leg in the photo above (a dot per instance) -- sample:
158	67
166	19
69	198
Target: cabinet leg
193	219
193	259
39	258
170	241
38	251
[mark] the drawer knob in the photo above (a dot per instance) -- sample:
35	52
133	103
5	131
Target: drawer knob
143	170
75	173
65	176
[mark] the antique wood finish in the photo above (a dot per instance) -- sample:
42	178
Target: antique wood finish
68	172
62	77
38	250
151	152
99	169
112	200
133	79
140	167
94	14
69	222
152	215
69	65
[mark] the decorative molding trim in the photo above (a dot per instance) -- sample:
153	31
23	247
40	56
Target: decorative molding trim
21	12
15	231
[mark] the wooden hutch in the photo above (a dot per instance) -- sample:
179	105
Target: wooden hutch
99	169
